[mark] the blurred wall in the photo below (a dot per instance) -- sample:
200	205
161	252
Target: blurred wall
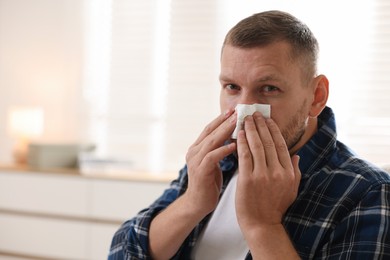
41	50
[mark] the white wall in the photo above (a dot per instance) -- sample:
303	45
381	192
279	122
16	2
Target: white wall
41	64
41	50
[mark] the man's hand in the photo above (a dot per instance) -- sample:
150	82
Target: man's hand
169	229
205	177
267	185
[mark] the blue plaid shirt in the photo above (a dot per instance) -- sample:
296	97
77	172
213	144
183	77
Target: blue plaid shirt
342	210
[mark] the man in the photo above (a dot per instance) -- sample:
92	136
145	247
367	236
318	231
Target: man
286	189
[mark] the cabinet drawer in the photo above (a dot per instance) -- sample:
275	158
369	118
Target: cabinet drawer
43	237
44	193
100	237
121	200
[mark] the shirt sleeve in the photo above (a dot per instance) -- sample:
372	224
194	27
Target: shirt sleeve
131	241
365	232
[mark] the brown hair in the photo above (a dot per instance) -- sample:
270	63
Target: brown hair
268	27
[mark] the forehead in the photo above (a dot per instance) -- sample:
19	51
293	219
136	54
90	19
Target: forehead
277	52
273	60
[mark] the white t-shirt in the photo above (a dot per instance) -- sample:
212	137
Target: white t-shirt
222	237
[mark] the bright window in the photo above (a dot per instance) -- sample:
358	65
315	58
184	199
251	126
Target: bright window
151	81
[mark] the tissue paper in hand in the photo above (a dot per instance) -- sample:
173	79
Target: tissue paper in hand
244	110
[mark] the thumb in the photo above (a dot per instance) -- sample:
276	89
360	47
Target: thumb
297	171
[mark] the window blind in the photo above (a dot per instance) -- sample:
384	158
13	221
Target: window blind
160	85
367	128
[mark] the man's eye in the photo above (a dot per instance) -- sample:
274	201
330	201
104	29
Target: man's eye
270	88
232	87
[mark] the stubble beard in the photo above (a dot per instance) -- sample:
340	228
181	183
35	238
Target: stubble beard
296	127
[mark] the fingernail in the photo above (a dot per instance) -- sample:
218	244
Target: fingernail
233	119
227	112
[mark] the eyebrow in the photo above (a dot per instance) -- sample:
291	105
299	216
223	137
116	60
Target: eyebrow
223	78
266	78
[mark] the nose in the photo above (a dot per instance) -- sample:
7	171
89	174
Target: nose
248	98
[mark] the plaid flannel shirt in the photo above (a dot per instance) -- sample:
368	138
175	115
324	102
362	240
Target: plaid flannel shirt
342	210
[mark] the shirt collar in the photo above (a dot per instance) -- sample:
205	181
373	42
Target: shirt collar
316	151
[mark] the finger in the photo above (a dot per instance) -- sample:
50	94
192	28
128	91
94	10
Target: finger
213	140
280	145
218	137
215	156
267	141
213	125
254	142
244	154
297	172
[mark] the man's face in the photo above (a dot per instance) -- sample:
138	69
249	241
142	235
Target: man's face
267	75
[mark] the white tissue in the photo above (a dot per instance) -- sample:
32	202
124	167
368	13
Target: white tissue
244	110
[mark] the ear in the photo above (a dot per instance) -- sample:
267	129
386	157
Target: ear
321	93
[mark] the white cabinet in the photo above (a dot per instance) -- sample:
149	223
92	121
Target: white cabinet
43	237
66	216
